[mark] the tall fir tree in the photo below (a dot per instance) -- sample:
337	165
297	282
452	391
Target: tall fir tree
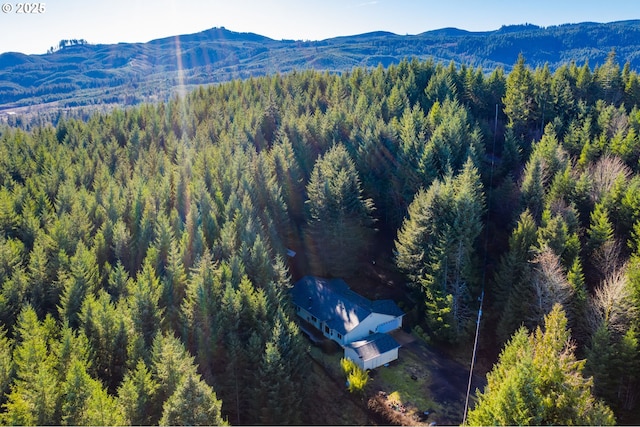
339	219
136	396
436	250
519	99
35	391
538	381
193	403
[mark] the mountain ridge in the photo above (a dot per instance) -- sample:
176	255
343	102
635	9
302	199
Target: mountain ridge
129	73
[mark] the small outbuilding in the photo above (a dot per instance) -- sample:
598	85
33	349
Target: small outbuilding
376	350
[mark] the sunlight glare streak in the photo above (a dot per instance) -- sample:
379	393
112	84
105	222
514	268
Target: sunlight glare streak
180	69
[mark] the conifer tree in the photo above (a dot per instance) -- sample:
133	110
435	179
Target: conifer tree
6	365
162	242
601	229
106	333
35	390
174	285
287	172
82	280
613	363
118	281
533	188
280	371
11	253
513	276
85	401
436	246
193	403
43	293
609	80
143	303
136	396
577	309
538	381
171	363
612	353
103	409
339	219
13	296
200	311
519	99
70	346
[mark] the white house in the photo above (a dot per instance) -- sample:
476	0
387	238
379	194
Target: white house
346	317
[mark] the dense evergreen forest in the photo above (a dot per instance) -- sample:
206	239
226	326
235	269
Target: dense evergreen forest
143	267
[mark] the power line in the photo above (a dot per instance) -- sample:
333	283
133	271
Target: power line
484	271
473	360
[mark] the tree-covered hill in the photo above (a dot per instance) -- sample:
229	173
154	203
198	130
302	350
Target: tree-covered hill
128	73
143	260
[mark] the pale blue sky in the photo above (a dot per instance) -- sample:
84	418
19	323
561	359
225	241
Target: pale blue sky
115	21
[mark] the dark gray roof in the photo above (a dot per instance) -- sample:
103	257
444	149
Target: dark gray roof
374	345
331	301
386	306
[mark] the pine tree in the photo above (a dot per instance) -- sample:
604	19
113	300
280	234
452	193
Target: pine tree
171	363
43	294
538	381
609	80
136	396
70	346
193	403
174	285
35	390
338	217
106	333
143	303
601	229
514	275
13	296
200	311
103	409
118	281
6	365
435	250
280	371
453	140
85	401
578	306
288	174
82	280
519	99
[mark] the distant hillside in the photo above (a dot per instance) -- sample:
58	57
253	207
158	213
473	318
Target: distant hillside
128	73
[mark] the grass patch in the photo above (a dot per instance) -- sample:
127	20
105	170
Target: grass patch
397	380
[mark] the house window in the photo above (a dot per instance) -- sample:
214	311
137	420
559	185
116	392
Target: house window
313	318
339	336
326	329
